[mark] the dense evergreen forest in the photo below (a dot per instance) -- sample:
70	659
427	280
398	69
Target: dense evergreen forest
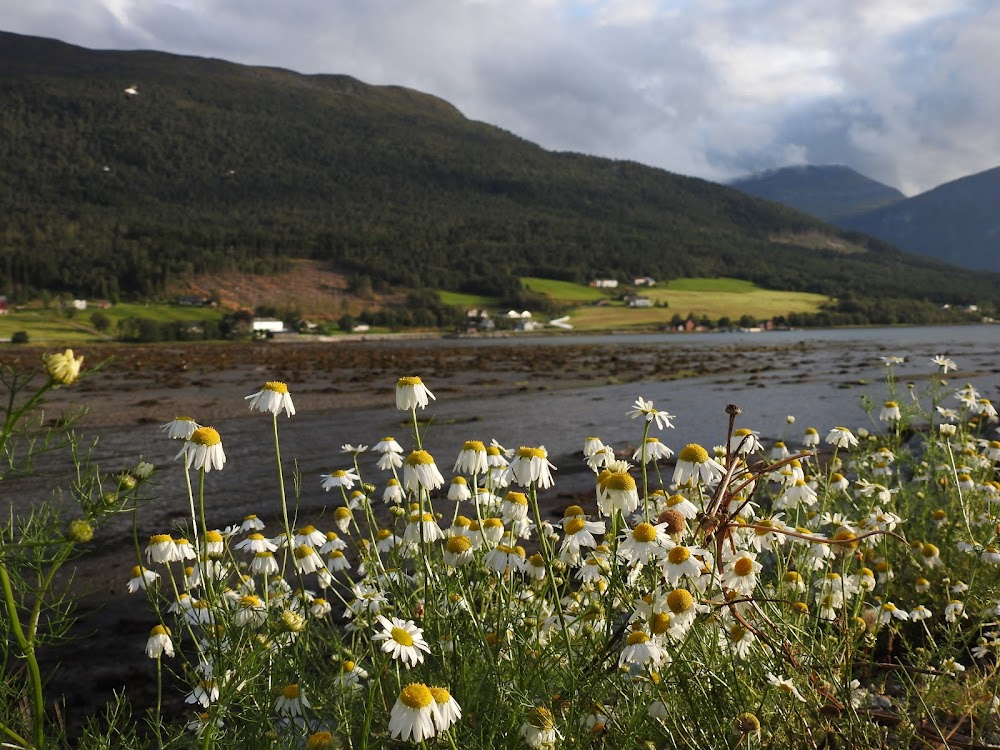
215	166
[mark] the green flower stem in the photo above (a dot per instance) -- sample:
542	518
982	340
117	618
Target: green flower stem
281	493
642	460
546	550
28	650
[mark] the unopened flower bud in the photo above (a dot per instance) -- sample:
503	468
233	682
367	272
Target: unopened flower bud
80	530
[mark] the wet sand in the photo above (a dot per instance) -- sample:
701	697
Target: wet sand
528	392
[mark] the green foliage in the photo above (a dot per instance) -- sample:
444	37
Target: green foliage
216	166
712	285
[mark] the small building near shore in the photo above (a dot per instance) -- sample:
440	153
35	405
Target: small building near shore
268	325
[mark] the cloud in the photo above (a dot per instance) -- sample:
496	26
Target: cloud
898	89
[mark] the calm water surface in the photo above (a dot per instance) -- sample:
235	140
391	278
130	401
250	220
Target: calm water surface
817	376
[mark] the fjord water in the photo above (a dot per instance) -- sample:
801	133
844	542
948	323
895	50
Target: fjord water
817	376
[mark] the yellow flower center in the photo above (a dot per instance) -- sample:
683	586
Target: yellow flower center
743	566
459	480
250	600
159	630
644	533
213	536
737	633
574	525
303	551
274	385
161	539
637	637
419	458
402	637
319	741
572	510
291	692
341	513
518	498
619	482
678	555
492	523
441	695
680	600
207	436
525	452
659	623
459	544
409	382
416	695
541	718
473	445
693	453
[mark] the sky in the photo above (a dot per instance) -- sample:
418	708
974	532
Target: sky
904	91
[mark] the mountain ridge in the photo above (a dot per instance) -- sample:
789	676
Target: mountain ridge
215	165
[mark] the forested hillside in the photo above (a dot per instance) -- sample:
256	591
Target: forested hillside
215	166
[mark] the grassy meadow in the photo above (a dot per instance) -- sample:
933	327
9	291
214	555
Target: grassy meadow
698	297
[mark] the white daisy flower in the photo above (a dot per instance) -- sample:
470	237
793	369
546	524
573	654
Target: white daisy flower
291	701
889	412
739	572
339	478
539	730
263	563
472	458
643	409
616	490
306	559
387	445
694	463
446	708
651	450
180	428
419	470
841	437
412	716
411	393
945	363
642	650
203	450
458	490
744	441
643	543
786	685
140	578
403	640
531	465
256	542
273	398
159	642
206	692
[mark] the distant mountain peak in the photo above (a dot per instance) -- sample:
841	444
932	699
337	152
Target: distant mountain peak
831	192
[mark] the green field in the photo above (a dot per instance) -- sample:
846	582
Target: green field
45	325
711	298
459	299
702	284
566	291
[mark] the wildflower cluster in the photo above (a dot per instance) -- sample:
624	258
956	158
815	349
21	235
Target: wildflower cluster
760	591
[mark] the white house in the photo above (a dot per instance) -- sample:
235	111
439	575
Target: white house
268	325
604	283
